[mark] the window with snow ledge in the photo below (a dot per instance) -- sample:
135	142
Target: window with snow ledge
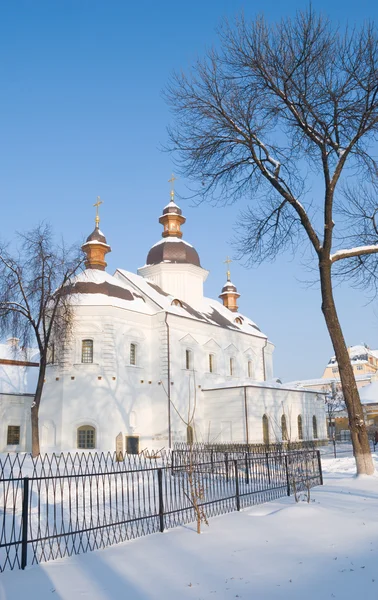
87	351
86	437
284	428
211	363
250	369
300	428
188	359
13	435
231	367
133	354
314	428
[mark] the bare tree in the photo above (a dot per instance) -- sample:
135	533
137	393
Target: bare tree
275	110
334	404
34	305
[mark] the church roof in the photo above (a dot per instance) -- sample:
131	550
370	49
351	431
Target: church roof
209	311
94	287
96	236
173	250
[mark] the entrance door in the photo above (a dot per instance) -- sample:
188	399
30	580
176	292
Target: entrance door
132	444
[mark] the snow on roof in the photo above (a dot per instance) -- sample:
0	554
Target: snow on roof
209	311
18	379
326	381
355	352
171	239
369	393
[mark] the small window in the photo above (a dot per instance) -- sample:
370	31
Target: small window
238	321
265	424
359	367
284	428
87	351
250	369
188	359
13	435
232	366
86	437
314	428
189	435
211	363
334	369
176	302
300	428
133	354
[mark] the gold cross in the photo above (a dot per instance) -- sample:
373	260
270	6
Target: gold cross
172	181
97	204
228	261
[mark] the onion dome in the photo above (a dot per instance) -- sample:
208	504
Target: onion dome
96	245
171	249
229	294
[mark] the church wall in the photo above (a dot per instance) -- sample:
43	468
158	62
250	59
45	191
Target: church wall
15	410
224	410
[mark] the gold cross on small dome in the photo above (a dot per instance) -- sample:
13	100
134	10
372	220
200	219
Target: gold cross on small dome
172	181
227	262
97	204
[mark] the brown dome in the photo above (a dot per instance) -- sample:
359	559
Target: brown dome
173	250
229	288
96	236
172	208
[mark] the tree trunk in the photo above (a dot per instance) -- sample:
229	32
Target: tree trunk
35	409
360	440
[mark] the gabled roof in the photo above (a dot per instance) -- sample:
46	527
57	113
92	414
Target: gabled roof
209	311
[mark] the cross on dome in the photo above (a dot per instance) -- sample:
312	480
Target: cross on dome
97	204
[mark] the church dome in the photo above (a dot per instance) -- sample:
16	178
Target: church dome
173	250
96	236
229	287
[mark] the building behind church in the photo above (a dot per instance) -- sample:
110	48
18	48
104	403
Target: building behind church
149	352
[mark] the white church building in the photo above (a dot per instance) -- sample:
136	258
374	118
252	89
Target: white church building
153	361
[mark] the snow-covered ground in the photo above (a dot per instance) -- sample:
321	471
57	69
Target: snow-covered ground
279	550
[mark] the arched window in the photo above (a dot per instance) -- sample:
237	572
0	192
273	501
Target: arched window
300	428
133	354
250	369
265	424
232	366
189	434
87	351
188	359
284	428
314	428
238	321
86	437
211	363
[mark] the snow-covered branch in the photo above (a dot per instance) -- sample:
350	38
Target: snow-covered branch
352	252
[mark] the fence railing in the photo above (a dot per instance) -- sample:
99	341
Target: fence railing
71	510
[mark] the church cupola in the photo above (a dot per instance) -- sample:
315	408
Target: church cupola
229	295
172	218
96	246
172	263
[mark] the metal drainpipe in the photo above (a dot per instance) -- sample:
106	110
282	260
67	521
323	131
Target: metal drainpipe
263	357
246	415
169	381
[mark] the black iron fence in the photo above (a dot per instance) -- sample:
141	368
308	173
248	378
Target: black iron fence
57	506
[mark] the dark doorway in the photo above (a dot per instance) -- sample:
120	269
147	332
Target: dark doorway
132	444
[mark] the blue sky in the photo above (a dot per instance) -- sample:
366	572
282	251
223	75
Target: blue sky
82	115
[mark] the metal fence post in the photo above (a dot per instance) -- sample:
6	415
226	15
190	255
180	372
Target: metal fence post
161	504
226	461
25	515
334	447
267	466
320	467
173	461
287	475
246	469
237	493
212	460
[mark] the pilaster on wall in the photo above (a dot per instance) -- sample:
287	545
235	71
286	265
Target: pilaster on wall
108	348
163	350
